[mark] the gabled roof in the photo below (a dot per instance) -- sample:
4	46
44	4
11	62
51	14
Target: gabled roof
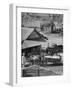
25	32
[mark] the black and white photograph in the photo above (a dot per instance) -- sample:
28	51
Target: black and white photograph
41	44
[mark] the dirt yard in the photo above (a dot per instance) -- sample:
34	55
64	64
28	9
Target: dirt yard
34	71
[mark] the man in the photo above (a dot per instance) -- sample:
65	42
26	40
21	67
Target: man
23	60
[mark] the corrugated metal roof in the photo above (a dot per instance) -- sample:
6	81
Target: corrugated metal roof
25	32
29	43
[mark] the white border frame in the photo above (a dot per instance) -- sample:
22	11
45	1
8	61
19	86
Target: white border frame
15	47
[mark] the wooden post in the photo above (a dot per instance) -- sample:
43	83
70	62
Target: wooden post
38	72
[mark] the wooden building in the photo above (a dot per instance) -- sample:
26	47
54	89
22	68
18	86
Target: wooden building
31	41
